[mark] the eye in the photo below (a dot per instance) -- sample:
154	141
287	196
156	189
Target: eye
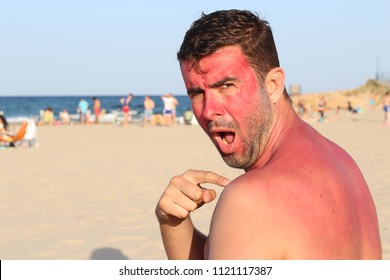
228	88
196	96
228	85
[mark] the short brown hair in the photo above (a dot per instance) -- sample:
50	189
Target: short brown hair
227	28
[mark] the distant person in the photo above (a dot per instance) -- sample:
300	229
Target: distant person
372	101
188	116
321	109
386	108
350	108
301	197
48	116
5	135
157	119
175	104
65	117
3	123
169	105
96	108
9	138
82	108
88	116
126	108
301	109
148	113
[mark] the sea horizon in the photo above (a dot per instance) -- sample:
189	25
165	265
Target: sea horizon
15	108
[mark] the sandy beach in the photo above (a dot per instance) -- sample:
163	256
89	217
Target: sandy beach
89	192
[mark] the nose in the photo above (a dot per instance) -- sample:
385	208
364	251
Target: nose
212	106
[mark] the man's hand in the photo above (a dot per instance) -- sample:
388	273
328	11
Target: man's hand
184	195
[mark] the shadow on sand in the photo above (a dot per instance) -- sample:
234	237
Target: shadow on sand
107	254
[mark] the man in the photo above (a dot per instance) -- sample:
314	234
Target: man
149	106
170	104
301	197
82	108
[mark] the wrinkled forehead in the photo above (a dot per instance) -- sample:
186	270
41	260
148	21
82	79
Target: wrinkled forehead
227	61
220	56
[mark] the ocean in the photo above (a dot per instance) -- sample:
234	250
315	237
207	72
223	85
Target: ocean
16	108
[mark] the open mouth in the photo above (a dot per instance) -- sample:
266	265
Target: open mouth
227	137
224	140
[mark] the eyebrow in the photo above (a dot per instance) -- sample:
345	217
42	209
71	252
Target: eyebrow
196	90
223	81
214	85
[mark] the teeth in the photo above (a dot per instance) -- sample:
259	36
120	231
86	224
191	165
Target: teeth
224	140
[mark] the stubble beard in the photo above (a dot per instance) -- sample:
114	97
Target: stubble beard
258	126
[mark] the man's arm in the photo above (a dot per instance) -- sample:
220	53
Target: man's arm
246	223
183	196
183	241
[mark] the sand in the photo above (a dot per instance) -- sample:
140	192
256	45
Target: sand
89	192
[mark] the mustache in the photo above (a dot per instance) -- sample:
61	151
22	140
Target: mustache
222	123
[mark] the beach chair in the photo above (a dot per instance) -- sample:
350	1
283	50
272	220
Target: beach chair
21	132
18	136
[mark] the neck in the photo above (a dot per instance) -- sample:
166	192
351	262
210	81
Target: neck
284	118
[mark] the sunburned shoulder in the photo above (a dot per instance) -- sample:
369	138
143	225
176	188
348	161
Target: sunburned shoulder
249	222
294	214
265	192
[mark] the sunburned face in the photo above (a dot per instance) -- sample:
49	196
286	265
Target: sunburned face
229	105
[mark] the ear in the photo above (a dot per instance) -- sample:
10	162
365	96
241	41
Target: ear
274	83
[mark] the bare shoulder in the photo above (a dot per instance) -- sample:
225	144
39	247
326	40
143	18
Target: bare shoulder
295	213
248	222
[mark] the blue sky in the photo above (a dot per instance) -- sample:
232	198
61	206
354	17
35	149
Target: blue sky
112	47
